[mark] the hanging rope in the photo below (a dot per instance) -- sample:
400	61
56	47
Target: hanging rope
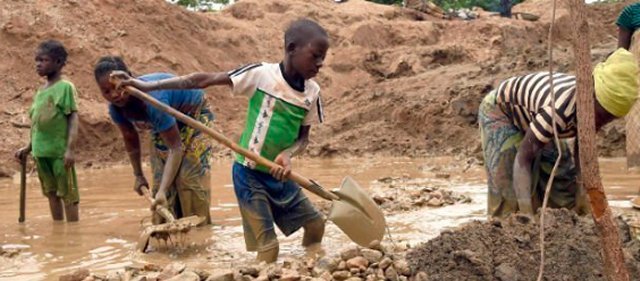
555	138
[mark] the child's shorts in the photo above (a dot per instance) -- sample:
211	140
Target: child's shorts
263	201
55	178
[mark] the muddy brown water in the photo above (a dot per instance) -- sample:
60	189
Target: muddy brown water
111	215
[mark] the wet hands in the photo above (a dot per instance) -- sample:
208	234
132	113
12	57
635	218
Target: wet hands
141	182
160	200
123	79
69	159
21	154
282	171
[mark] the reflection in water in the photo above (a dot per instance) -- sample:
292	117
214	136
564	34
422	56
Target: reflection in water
111	215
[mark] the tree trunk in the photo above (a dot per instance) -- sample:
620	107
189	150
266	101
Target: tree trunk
614	266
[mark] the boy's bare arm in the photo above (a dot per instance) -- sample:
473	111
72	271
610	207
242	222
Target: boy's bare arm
284	158
198	80
301	143
72	136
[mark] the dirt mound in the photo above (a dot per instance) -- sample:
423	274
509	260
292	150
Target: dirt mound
509	250
396	82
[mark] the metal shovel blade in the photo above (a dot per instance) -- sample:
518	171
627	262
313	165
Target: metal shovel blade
356	214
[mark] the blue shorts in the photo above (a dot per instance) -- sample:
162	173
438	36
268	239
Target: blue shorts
263	201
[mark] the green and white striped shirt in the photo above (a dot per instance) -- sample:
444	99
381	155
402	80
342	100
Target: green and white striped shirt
276	110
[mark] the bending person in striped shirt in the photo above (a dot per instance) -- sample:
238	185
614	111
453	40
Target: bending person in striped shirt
517	134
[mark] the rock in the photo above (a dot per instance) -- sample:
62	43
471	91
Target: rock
228	276
250	270
369	271
272	271
89	278
385	179
151	267
403	278
171	270
246	278
354	279
77	275
358	262
402	267
435	202
442	175
384	263
415	194
354	271
379	199
185	276
391	274
505	272
349	253
290	275
327	264
262	278
380	273
371	255
376	245
421	276
326	276
341	275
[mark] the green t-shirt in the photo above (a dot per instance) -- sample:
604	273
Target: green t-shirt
48	114
276	110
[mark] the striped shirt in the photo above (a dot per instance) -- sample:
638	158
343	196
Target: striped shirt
527	102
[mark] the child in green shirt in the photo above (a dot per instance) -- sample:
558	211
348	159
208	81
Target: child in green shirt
284	102
54	130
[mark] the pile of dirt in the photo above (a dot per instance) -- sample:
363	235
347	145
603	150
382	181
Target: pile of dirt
395	82
509	250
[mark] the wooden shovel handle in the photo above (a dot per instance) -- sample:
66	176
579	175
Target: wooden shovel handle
23	189
162	210
302	181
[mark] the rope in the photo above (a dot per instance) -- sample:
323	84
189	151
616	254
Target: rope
555	138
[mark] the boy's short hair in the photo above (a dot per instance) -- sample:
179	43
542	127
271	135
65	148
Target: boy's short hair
107	64
55	50
301	31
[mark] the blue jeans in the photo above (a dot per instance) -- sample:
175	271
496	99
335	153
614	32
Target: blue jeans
263	201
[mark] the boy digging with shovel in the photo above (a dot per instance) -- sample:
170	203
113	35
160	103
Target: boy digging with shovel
284	103
54	130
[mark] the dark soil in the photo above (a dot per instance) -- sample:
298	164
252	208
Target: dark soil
509	250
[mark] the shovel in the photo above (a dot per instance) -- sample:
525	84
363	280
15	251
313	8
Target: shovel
353	211
172	226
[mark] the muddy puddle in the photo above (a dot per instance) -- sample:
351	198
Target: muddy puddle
111	216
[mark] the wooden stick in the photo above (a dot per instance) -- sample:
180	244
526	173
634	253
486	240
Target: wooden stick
554	116
23	189
614	265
